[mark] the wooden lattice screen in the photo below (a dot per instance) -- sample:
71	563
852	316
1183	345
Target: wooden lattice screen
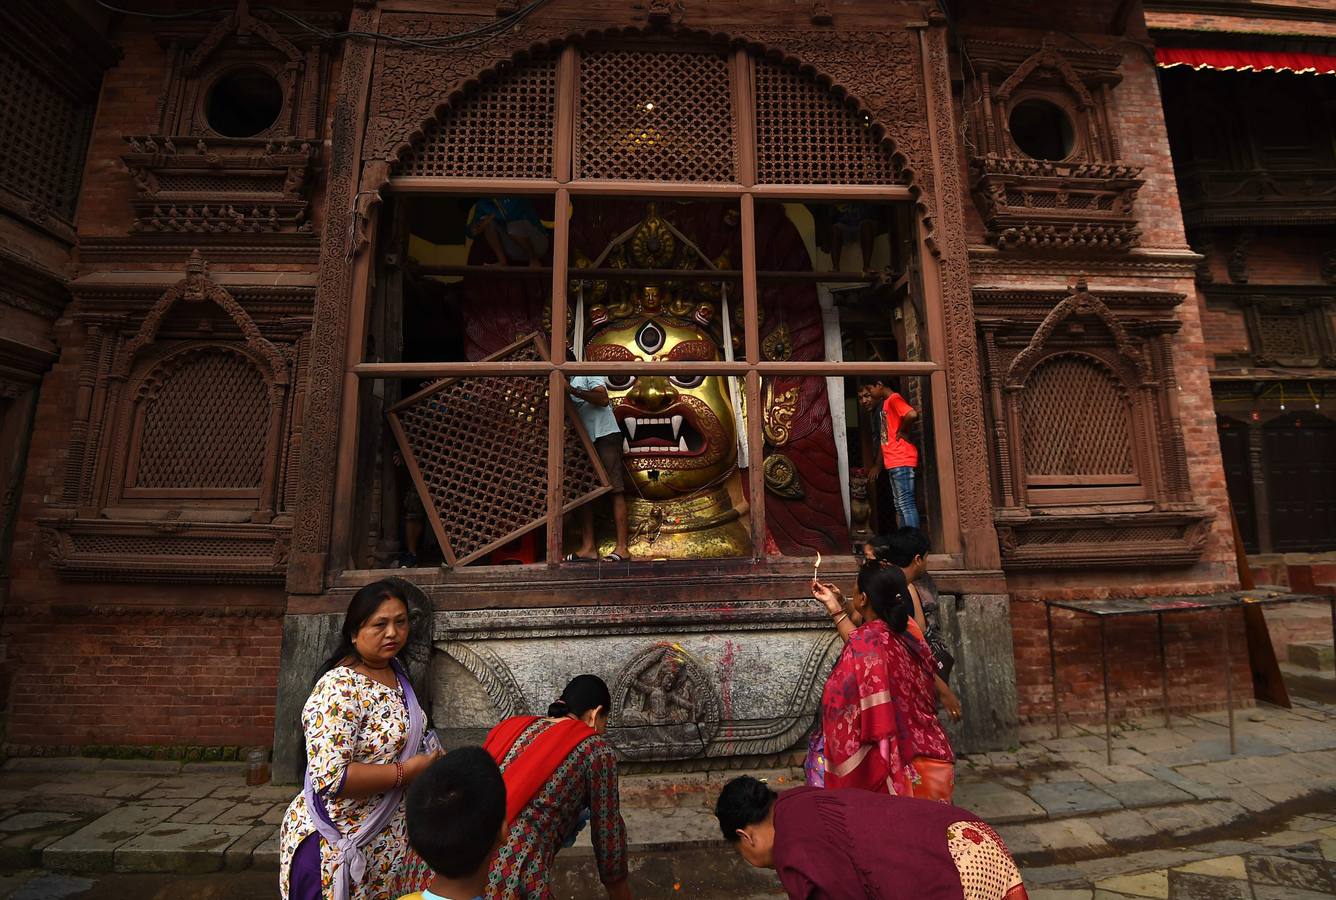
1284	336
504	130
655	116
205	424
1075	422
476	448
42	137
805	135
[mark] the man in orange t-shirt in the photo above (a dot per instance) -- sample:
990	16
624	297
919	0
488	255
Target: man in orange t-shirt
898	456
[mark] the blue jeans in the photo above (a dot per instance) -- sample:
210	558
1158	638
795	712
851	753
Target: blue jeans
902	490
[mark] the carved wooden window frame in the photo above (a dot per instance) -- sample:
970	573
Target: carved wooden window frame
1065	102
281	127
129	430
1036	491
195	66
1130	334
750	367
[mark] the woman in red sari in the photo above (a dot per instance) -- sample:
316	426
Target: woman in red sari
879	706
560	774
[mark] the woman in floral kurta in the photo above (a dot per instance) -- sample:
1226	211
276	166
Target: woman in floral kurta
356	723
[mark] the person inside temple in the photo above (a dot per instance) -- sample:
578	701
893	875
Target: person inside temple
512	229
899	456
590	394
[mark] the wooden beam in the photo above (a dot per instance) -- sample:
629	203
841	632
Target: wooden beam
493	369
593	187
563	135
556	382
755	464
484	187
892	193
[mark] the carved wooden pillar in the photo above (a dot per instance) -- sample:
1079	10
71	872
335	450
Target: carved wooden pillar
1004	475
951	268
105	392
311	526
1174	452
1261	497
16	416
75	463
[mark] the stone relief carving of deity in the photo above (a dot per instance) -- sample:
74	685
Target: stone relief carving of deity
665	695
663	705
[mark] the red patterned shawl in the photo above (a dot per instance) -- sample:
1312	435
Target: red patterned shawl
879	711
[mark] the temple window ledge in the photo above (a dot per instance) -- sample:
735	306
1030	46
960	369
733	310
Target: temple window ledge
162	550
636	583
1102	537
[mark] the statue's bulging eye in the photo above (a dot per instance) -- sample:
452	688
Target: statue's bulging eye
684	381
621	382
650	338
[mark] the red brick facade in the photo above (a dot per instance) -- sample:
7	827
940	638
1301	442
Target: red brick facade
140	659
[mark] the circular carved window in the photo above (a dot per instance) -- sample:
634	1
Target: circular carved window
1042	130
243	103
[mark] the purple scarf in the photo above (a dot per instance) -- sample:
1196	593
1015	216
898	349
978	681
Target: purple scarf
349	860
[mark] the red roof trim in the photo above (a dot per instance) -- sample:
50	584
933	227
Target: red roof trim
1246	60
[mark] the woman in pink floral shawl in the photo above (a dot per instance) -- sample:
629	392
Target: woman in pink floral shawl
879	706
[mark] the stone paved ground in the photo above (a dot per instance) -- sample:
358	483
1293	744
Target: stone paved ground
1295	862
1057	802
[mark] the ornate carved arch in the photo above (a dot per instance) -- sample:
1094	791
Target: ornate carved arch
1084	356
413	91
1047	57
197	287
158	371
1079	302
241	23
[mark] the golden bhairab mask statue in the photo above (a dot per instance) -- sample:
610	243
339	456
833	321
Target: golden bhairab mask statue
680	439
679	431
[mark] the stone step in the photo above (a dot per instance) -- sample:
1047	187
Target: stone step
1311	578
1315	655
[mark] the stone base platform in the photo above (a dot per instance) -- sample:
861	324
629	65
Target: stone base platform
1054	801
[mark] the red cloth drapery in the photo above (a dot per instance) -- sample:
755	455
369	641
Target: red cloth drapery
1246	60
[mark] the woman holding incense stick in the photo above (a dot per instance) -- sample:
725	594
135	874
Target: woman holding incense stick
879	706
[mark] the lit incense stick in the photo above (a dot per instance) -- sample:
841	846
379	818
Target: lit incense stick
817	567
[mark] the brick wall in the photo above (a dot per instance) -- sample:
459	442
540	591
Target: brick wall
125	664
1224	332
1194	649
1194	642
127	106
151	679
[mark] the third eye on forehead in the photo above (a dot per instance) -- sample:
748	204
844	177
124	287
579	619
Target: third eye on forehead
650	338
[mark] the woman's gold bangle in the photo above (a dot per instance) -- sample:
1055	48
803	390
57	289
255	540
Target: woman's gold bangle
843	615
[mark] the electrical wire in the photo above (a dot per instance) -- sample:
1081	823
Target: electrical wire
470	38
176	15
